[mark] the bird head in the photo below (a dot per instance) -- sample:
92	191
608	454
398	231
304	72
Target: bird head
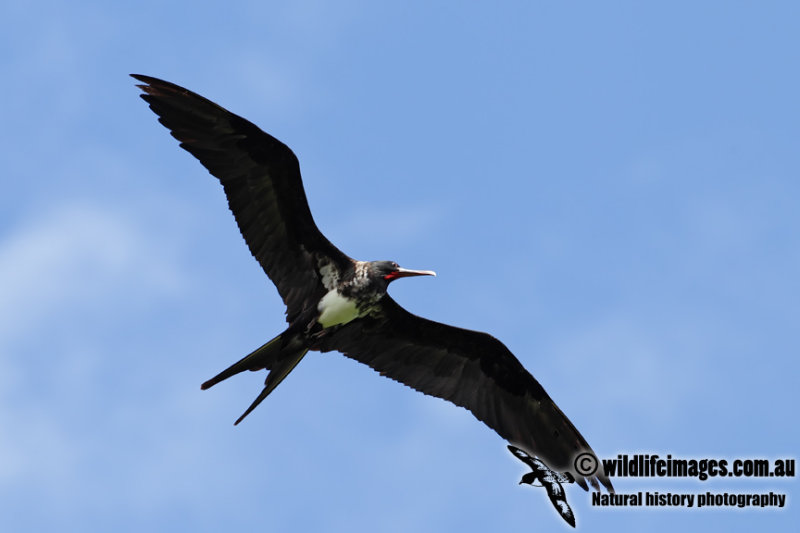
390	271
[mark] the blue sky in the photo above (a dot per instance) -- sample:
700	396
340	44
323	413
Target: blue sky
609	188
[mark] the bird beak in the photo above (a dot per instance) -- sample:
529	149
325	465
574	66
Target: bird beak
406	273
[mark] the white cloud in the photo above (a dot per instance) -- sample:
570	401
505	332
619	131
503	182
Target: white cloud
56	270
72	258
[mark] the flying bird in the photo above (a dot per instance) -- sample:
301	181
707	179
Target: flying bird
336	303
551	481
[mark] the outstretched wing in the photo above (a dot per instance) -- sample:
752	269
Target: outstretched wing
470	369
261	178
551	482
539	469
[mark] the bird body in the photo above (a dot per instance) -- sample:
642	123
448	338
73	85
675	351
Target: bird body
336	303
336	309
551	481
356	297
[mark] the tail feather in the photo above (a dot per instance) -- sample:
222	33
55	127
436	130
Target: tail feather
279	371
262	357
279	356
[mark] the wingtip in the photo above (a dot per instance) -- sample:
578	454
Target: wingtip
142	78
607	484
153	85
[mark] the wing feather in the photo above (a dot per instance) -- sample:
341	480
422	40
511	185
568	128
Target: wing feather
470	369
262	182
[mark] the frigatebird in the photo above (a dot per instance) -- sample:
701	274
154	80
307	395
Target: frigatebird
551	481
335	303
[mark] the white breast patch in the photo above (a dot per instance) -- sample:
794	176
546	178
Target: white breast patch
336	309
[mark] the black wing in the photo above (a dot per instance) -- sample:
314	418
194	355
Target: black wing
551	482
261	178
541	470
471	369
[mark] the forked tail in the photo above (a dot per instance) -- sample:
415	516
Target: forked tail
279	356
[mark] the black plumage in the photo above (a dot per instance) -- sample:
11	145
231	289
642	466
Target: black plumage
335	303
549	480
